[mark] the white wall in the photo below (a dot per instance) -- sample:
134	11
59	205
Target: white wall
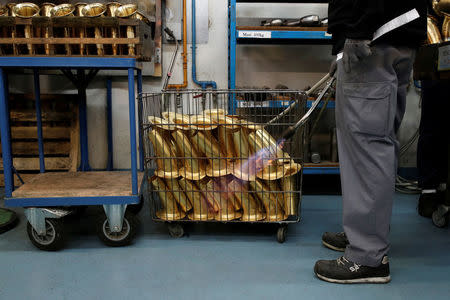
294	66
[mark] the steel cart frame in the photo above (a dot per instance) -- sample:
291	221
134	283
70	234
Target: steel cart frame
39	208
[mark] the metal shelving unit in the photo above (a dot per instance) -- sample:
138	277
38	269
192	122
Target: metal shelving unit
274	35
43	196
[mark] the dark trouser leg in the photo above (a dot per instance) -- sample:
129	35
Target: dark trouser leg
370	106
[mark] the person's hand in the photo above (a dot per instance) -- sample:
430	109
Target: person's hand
333	68
354	51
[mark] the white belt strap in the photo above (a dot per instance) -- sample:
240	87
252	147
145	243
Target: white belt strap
401	20
393	24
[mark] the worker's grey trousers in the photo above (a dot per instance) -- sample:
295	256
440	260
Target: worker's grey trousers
370	104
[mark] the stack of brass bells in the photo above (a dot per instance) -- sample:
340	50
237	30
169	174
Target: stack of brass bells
81	9
442	10
219	167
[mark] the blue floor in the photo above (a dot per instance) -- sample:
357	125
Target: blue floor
222	262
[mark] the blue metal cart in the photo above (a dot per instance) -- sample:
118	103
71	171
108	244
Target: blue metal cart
50	196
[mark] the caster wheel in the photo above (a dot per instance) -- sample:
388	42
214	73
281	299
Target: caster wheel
136	208
440	218
281	234
52	240
175	230
117	239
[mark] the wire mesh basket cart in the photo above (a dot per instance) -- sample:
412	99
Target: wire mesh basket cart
219	156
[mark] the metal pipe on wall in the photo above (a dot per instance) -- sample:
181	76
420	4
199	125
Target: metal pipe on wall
203	84
184	54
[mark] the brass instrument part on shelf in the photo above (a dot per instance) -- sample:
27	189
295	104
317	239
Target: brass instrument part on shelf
166	161
201	210
433	33
96	10
111	8
178	192
27	10
46	9
169	210
271	197
64	10
82	30
252	209
128	11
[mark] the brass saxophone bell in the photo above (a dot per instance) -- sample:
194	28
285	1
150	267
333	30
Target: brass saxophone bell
179	194
111	8
261	140
27	10
446	28
81	30
217	189
166	161
271	197
244	167
276	170
128	11
290	195
161	123
433	34
210	148
169	210
64	10
46	12
4	11
252	209
201	209
96	10
194	166
180	121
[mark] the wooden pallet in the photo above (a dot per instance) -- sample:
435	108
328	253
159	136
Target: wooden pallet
60	132
75	36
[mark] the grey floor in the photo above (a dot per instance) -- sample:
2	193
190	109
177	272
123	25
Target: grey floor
222	262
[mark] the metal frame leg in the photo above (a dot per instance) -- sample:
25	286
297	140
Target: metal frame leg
132	112
6	137
36	217
110	164
114	214
232	55
141	139
37	96
84	165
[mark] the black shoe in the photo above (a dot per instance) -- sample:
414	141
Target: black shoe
345	271
335	241
429	202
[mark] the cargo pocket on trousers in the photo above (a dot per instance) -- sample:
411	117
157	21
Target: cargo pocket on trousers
367	107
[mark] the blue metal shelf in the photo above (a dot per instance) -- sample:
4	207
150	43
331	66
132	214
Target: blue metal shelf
330	105
80	79
321	171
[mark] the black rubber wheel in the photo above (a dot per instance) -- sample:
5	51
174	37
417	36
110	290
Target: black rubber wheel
175	230
281	234
440	218
136	208
8	220
54	237
118	239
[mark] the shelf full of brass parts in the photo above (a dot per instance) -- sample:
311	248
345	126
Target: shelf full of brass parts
212	156
92	30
